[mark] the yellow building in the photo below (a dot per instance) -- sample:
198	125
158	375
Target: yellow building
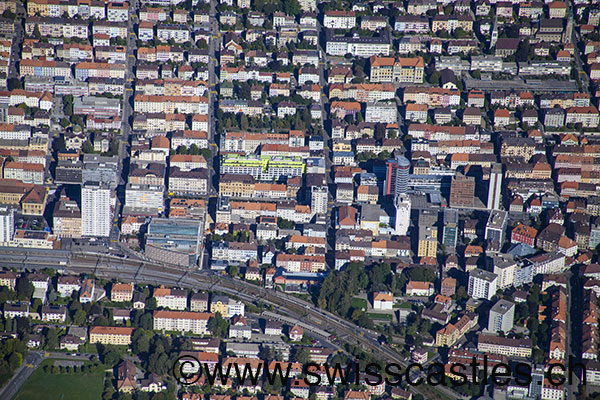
116	335
220	304
121	292
389	69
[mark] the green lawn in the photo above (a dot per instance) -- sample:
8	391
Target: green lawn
74	386
384	317
359	303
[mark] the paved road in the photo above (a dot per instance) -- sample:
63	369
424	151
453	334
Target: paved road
30	364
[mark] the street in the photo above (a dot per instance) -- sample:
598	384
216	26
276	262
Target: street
30	364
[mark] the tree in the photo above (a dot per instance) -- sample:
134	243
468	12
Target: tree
146	321
291	7
68	105
218	325
244	122
151	304
51	339
379	131
14	83
285	223
87	147
24	288
140	342
301	355
79	317
8	14
233	270
244	91
434	78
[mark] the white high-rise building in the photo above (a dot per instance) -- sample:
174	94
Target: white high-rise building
403	206
96	212
318	199
7	223
501	317
495	188
482	284
505	267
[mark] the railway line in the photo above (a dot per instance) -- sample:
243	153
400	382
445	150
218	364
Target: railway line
142	271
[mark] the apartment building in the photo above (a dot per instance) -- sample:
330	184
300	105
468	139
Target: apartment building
504	346
174	299
115	335
339	19
482	284
120	292
389	69
182	321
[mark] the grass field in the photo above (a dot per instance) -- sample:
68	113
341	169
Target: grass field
384	317
74	386
359	303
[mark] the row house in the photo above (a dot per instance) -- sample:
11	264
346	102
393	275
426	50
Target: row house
193	183
112	54
433	97
463	160
235	251
14	132
241	74
113	123
512	99
57	27
411	44
465	46
33	49
588	117
178	33
564	100
85	70
303	57
412	24
44	68
99	85
159	122
540	170
436	132
450	23
169	104
153	14
247	107
339	19
363	92
83	9
169	53
24	172
110	29
373	23
188	138
341	109
301	263
75	52
31	99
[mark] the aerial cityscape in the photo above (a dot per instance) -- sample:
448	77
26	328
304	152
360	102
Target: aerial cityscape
299	199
